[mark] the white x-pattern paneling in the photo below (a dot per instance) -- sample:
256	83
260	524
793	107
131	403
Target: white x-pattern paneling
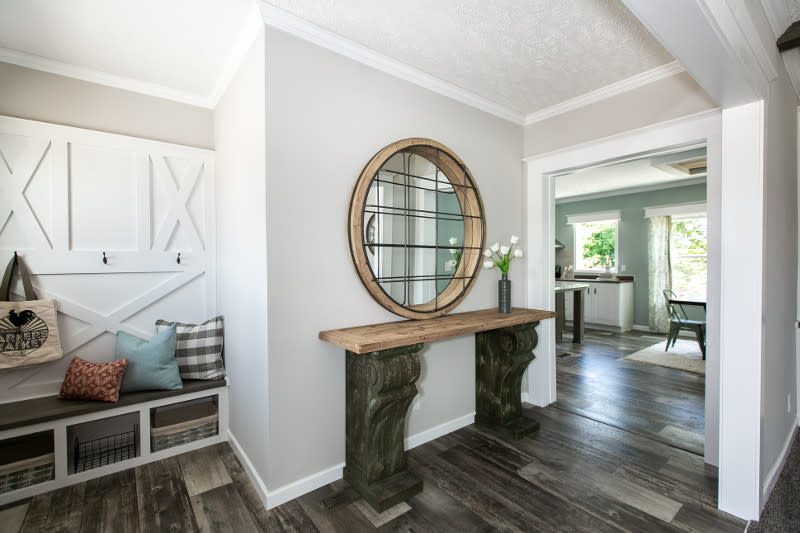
67	197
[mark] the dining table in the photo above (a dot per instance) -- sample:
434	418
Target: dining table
697	303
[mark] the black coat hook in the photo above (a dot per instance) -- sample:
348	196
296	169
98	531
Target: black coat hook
105	259
179	258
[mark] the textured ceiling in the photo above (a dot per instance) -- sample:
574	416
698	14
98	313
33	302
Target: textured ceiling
523	54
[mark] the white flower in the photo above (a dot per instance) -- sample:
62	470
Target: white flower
452	262
453	241
453	251
488	264
487	253
514	239
495	247
517	253
504	250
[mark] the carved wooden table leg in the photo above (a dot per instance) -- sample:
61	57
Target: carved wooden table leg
501	357
380	388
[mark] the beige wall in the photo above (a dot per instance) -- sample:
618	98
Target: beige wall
36	95
670	98
241	252
326	117
779	360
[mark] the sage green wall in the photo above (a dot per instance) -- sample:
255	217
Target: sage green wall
632	233
448	203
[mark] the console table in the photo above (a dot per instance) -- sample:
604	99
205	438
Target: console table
382	366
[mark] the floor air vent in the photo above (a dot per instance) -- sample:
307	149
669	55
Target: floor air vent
340	499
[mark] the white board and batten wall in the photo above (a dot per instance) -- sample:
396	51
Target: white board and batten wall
67	195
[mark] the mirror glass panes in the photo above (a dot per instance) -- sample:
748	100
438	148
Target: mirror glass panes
412	215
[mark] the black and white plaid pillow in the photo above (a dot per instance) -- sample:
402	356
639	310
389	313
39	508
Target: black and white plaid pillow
199	348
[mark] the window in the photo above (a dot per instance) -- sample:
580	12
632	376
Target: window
596	242
688	256
688	245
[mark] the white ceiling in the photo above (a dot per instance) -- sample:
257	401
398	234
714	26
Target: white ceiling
178	46
794	9
645	173
524	55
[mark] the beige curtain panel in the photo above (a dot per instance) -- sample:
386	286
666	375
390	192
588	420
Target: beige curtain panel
660	271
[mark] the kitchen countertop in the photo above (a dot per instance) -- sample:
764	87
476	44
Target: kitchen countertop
570	285
579	279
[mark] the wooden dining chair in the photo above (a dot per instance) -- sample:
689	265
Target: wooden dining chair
678	320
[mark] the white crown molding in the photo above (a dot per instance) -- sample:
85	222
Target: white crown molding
778	16
740	27
620	87
247	35
293	25
35	62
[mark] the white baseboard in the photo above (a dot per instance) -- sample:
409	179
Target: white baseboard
642	328
320	479
435	432
258	483
775	472
297	488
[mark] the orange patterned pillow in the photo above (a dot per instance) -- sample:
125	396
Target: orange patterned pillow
93	381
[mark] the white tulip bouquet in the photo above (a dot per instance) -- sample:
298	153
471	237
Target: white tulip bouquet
501	256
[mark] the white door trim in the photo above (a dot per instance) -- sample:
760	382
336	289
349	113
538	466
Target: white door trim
540	207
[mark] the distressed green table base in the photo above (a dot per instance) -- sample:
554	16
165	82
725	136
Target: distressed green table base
380	388
501	357
386	493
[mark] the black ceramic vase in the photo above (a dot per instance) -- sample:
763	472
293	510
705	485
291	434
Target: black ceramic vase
504	294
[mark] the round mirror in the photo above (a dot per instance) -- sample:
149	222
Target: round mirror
416	228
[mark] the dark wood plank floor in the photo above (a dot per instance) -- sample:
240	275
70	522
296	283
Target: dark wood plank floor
664	404
577	473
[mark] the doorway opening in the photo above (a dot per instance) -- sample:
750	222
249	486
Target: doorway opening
633	239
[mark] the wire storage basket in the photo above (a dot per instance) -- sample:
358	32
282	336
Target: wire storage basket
105	450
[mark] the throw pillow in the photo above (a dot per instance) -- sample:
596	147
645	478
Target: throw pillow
151	364
199	348
93	381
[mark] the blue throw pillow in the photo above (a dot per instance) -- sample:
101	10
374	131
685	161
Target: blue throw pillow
151	364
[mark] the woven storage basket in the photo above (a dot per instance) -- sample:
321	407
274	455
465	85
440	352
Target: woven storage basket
168	436
27	472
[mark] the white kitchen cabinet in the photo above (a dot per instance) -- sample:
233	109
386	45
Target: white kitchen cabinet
606	304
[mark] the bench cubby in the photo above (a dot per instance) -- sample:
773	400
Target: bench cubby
110	437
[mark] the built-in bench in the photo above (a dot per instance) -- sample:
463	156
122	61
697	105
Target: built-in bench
45	409
72	429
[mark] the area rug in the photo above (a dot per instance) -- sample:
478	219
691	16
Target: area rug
685	355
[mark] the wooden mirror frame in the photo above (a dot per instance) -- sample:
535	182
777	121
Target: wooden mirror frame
474	228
